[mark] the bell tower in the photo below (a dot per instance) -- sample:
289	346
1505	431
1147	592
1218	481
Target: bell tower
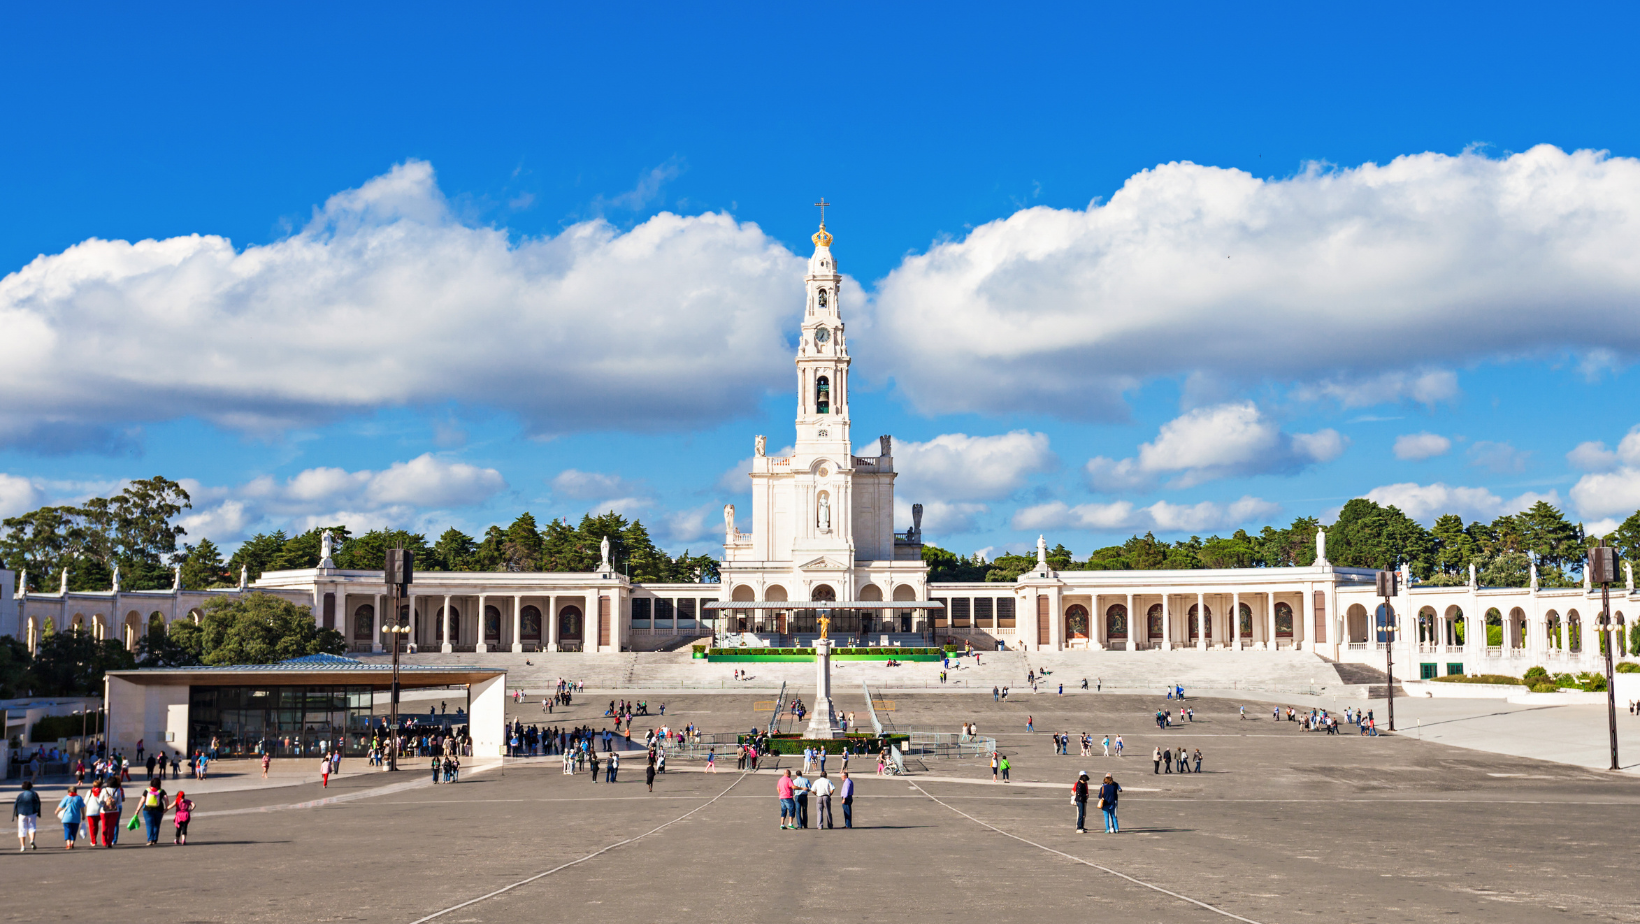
822	356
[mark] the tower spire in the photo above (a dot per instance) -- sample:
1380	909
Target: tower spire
822	238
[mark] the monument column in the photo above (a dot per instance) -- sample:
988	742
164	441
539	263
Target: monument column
1167	620
1235	620
1201	621
823	720
552	623
590	624
517	622
1270	620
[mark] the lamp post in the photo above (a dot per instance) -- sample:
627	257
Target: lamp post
1386	589
1602	567
398	569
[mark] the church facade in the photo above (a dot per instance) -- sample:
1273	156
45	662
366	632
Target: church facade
820	542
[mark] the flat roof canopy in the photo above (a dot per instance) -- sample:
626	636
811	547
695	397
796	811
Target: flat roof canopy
312	670
828	605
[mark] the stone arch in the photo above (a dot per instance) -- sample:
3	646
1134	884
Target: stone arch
1207	620
775	593
822	395
1574	631
1494	617
156	622
1153	621
1455	625
743	593
99	627
1116	621
364	623
1385	623
77	623
1076	622
1551	627
871	592
1429	630
823	593
1355	623
132	630
1244	614
571	624
1517	628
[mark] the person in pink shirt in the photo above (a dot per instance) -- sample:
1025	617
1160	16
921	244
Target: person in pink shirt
788	802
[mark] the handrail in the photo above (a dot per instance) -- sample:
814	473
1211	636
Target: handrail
779	706
871	710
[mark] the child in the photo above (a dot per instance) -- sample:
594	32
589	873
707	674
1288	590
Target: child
184	808
324	772
711	761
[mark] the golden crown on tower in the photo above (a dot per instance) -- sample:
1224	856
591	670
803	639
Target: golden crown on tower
822	238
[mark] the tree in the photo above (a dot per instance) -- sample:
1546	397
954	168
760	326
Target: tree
1146	553
1557	542
455	550
1290	547
306	550
1455	548
260	628
73	663
1367	535
14	665
522	549
257	554
945	565
202	566
180	646
1627	539
1238	551
369	551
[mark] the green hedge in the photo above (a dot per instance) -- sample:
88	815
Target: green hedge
1628	667
1480	678
788	744
53	727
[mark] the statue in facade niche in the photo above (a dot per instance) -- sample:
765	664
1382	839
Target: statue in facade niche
762	444
729	530
825	512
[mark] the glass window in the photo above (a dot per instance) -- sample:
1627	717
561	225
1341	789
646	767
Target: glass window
960	608
686	616
664	616
984	613
1005	612
942	616
640	612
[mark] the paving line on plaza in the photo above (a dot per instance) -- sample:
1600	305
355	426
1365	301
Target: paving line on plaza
596	853
1105	869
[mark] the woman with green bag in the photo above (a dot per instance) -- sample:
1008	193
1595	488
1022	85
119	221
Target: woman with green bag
151	806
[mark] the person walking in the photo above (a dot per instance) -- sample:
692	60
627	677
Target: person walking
711	760
846	793
1030	724
1107	803
1106	745
614	767
823	788
183	807
1156	761
1198	758
93	813
784	789
1003	765
266	760
649	772
800	791
324	772
592	760
113	808
25	810
152	807
1079	797
71	812
1167	760
993	767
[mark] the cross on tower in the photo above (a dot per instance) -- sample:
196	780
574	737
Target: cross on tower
822	206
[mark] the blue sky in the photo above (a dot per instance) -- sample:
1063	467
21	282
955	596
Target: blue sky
436	266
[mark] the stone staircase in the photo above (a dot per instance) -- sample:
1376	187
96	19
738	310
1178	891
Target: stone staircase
1120	671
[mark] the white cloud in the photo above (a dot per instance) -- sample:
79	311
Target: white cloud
1418	446
1501	458
1164	517
940	517
1592	456
385	298
17	495
1602	527
588	485
405	494
959	467
1364	284
1426	502
1215	442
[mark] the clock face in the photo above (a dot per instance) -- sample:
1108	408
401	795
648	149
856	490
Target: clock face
822	335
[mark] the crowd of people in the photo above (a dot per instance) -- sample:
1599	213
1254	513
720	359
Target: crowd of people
97	813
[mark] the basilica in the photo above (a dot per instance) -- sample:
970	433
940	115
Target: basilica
820	540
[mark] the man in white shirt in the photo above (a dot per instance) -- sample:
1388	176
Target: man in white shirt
822	789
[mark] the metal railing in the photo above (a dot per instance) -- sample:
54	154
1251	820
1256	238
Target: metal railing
949	745
871	710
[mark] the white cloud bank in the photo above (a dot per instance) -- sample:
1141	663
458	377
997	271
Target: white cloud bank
385	298
1426	502
1419	446
1161	517
1362	285
956	466
1225	441
1611	489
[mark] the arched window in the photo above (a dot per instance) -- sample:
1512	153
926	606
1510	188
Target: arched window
455	625
1207	621
1076	621
364	619
492	624
1153	620
1246	617
569	624
822	395
823	592
529	624
1284	620
1116	622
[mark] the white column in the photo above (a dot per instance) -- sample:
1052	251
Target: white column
552	623
1167	620
589	623
1270	620
376	624
517	617
1133	625
1235	620
1201	621
1309	619
446	626
483	617
415	623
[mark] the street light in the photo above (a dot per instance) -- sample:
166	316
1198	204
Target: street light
1602	567
1386	589
398	569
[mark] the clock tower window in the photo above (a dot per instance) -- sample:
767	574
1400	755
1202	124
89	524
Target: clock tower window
822	394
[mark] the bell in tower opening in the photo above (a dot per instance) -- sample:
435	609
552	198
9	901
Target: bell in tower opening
822	395
822	298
